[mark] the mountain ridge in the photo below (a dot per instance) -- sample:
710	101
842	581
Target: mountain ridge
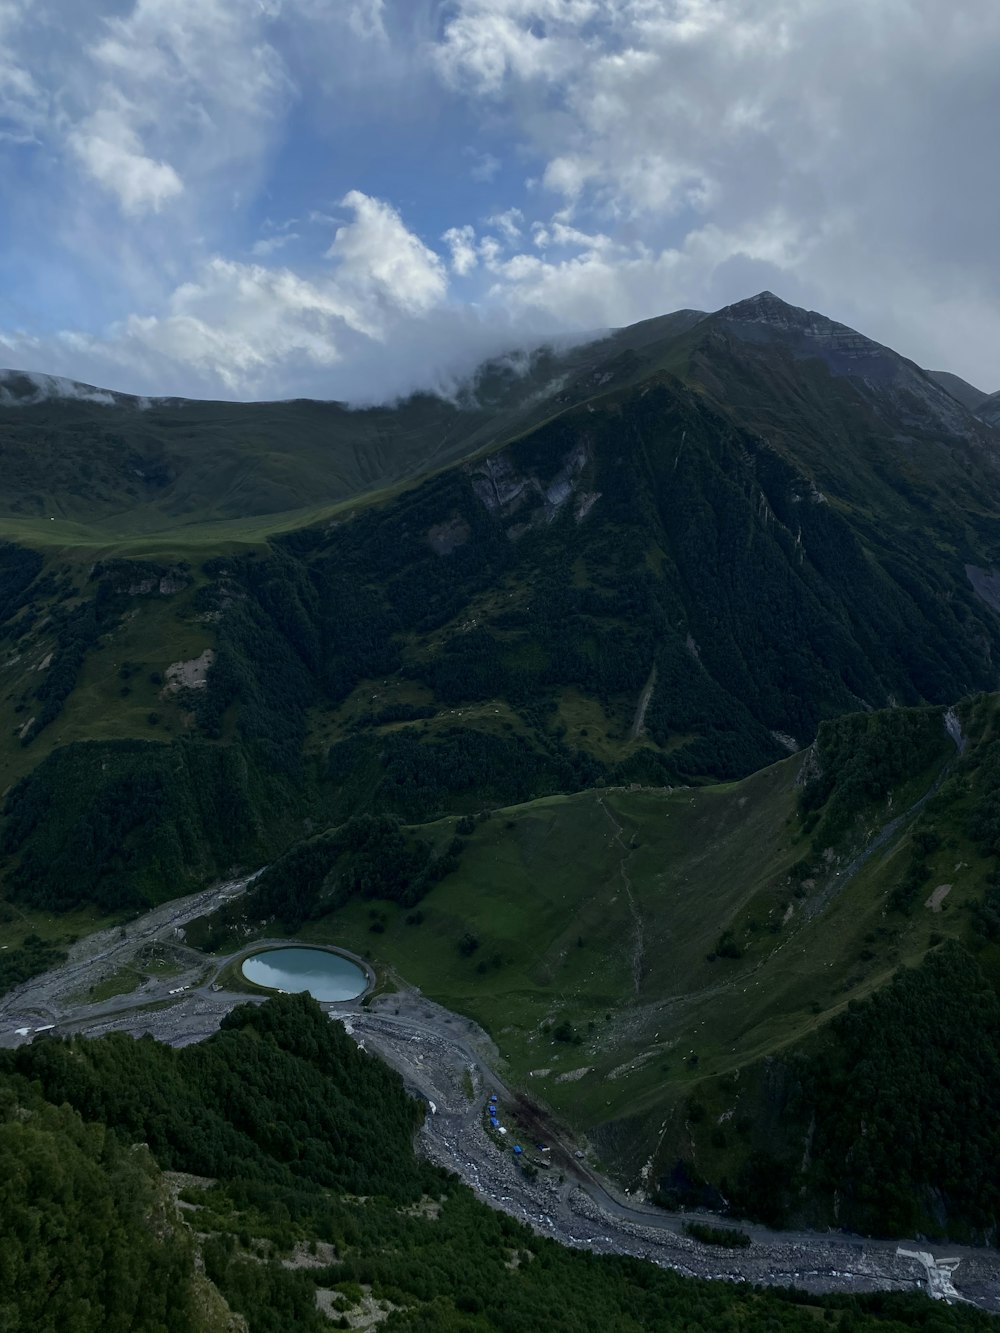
20	387
96	467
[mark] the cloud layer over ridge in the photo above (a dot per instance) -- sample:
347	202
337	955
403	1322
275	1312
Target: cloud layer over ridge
266	198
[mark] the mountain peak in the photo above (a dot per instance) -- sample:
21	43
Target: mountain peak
765	318
766	308
765	321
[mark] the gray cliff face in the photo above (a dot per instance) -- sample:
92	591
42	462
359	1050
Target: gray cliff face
508	493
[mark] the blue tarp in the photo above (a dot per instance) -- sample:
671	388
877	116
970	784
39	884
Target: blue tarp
517	1149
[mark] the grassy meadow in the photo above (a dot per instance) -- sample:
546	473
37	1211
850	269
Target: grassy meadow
627	947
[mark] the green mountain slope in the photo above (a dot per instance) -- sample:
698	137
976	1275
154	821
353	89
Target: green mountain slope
868	423
686	974
103	472
886	1114
85	466
640	589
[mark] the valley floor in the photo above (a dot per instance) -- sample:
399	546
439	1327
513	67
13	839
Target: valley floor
449	1061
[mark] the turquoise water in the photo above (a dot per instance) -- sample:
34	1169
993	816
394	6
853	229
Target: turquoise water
326	976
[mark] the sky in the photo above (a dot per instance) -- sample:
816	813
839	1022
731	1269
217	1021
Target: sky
354	198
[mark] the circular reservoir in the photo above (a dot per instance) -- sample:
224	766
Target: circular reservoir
324	974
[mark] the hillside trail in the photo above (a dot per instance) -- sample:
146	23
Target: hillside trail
840	879
637	927
749	976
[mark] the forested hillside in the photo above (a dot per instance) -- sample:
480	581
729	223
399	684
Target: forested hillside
298	1144
89	1240
884	1122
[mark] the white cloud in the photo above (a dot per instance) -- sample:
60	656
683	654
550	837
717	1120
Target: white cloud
509	224
604	283
244	331
209	54
23	102
111	151
655	154
560	234
240	329
490	251
487	43
661	122
378	257
269	245
179	91
366	19
234	328
238	319
462	243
